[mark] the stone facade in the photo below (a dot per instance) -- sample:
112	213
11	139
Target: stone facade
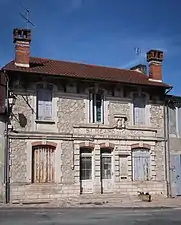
70	131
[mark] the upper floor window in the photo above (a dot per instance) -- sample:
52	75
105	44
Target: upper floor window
175	121
96	106
44	102
139	109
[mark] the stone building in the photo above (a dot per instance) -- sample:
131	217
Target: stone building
81	129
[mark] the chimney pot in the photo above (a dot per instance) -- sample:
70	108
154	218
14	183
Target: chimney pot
22	39
140	68
154	59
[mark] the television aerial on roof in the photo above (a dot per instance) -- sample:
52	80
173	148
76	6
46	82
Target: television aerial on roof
26	17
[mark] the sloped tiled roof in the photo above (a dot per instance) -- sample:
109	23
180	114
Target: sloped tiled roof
84	71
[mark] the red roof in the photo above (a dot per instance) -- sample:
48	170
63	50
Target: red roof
85	71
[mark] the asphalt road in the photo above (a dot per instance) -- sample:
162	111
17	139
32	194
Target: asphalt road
104	216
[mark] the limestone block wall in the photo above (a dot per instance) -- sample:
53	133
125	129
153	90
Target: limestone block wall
23	110
18	161
71	111
67	162
157	118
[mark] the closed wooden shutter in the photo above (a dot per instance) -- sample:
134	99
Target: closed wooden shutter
43	164
139	111
48	105
141	164
44	104
172	121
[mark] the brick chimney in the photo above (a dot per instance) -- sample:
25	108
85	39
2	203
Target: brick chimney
22	39
154	59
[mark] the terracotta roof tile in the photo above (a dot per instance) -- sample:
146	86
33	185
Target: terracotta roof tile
78	70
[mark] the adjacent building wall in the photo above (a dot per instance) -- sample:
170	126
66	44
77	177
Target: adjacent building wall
2	143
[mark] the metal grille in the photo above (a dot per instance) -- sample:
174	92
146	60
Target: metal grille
43	164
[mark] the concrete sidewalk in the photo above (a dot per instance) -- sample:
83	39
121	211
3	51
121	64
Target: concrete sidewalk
103	201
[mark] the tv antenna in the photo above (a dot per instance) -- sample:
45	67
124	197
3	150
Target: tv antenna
26	17
138	53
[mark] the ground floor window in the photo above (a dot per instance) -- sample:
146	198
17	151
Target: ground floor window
43	161
85	164
141	164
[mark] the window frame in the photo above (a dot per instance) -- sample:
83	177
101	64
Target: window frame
86	153
92	106
49	87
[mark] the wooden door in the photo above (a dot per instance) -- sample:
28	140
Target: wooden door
43	164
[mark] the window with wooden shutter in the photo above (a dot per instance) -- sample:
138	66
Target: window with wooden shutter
141	164
44	102
139	109
43	164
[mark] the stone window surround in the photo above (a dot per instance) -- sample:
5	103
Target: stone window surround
45	123
56	145
105	105
147	108
147	147
96	156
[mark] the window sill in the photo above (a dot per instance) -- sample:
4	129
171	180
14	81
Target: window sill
45	121
92	125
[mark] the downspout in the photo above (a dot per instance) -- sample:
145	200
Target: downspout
6	148
167	145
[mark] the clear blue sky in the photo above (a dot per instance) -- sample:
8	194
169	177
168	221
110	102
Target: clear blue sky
103	32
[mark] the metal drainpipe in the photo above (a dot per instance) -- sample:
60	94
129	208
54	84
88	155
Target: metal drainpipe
6	148
168	150
166	146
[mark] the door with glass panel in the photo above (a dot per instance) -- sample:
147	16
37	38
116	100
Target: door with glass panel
106	171
86	168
